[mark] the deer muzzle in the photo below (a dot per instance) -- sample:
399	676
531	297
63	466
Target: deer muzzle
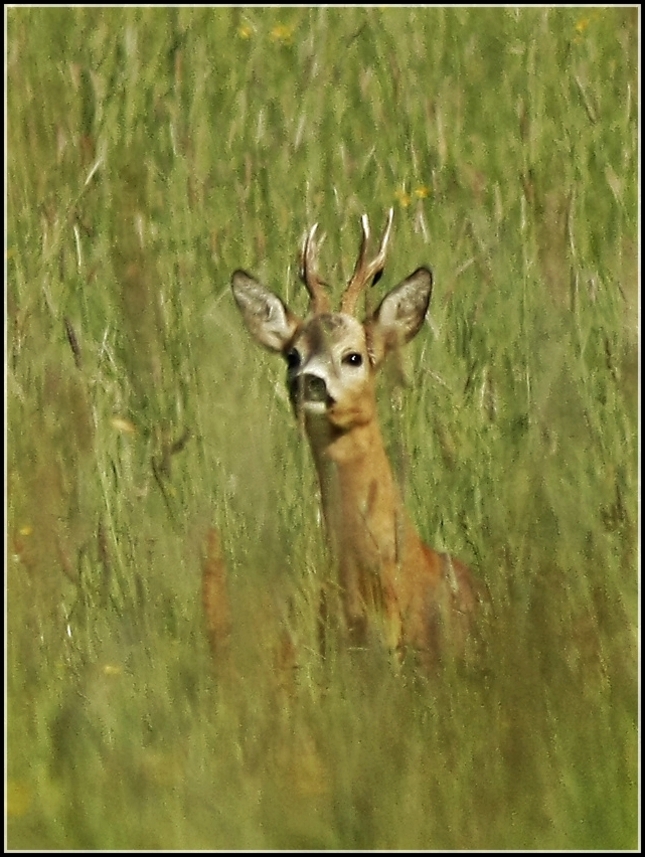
308	389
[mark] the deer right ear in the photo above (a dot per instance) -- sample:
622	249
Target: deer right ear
267	319
400	315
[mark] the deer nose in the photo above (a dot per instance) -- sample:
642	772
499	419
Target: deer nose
308	388
314	388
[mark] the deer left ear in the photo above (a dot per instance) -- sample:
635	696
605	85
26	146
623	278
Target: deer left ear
267	319
400	315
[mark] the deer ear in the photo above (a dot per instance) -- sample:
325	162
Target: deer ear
400	314
267	319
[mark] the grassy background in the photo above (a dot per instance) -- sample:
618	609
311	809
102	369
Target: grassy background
151	152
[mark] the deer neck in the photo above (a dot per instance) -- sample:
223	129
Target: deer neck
361	504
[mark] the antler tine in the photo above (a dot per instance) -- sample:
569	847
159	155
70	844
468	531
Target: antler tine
364	270
309	275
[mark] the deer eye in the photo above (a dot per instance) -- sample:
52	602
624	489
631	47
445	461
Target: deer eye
353	359
293	358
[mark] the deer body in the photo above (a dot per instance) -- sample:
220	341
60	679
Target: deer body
390	582
418	599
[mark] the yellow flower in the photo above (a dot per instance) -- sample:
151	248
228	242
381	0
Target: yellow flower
245	31
403	197
422	192
283	33
27	530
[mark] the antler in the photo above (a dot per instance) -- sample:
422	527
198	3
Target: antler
364	270
309	275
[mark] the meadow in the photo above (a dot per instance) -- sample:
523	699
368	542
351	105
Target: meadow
150	152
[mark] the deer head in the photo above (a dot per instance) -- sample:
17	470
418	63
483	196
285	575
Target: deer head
332	357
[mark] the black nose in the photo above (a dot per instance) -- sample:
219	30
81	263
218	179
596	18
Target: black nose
314	389
308	388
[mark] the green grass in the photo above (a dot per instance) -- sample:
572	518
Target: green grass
151	152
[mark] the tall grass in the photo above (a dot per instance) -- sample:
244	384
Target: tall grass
149	153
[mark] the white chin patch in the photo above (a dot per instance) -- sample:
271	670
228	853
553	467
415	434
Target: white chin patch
314	408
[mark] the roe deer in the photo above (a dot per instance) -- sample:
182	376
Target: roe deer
389	580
